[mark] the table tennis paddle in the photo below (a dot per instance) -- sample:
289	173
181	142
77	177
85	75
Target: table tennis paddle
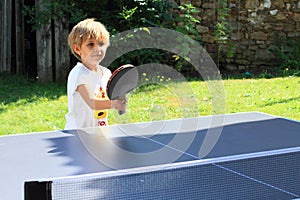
122	81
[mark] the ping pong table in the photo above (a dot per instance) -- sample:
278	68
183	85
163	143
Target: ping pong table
249	155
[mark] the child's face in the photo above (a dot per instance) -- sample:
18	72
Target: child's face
91	51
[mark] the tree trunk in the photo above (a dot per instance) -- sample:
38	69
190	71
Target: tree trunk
20	51
5	28
62	55
44	54
44	51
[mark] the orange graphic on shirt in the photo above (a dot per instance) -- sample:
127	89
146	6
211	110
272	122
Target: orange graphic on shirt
100	94
100	114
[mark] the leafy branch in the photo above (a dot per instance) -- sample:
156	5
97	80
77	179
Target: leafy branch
46	10
222	30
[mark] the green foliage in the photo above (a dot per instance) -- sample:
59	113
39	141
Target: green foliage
144	13
137	15
120	16
187	21
288	51
222	25
186	24
158	13
128	13
128	48
46	10
222	31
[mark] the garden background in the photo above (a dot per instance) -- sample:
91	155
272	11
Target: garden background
254	43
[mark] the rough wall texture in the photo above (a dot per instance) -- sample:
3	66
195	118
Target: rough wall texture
252	25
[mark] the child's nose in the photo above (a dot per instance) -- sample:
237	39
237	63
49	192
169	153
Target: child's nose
100	47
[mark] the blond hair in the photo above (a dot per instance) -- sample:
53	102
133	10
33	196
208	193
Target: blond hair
88	28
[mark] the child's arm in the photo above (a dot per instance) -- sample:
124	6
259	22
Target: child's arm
94	104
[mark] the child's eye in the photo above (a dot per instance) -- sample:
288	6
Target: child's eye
90	44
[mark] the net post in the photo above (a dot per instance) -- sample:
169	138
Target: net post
35	190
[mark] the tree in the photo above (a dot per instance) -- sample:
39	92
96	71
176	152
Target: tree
51	20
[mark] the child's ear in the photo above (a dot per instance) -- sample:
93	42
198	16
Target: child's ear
76	49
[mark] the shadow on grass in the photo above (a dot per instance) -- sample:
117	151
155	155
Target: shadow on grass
283	101
17	89
259	73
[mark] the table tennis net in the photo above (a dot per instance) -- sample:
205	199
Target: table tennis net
266	177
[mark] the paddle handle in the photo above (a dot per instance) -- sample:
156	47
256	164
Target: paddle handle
124	100
121	112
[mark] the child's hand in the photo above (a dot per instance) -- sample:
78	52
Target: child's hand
120	105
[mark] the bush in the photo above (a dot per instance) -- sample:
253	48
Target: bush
287	49
159	13
120	16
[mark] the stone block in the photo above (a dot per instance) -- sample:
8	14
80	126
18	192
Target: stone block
202	29
247	42
278	27
210	13
246	36
197	3
235	36
231	67
242	62
289	28
293	34
267	4
298	26
242	67
260	42
280	16
254	48
251	4
259	36
209	5
182	2
263	45
211	48
278	4
264	57
229	60
234	25
296	17
267	26
273	12
208	38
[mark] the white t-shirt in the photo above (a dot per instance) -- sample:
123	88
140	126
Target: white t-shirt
80	115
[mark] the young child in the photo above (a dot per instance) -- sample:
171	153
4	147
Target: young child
87	100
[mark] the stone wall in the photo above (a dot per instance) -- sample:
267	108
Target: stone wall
252	26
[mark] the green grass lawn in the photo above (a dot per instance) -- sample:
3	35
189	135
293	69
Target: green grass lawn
30	107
